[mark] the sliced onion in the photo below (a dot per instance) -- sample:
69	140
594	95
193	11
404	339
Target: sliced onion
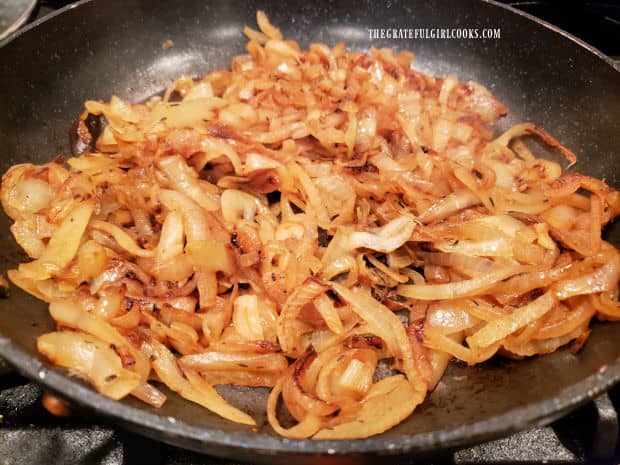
465	288
193	387
91	358
498	329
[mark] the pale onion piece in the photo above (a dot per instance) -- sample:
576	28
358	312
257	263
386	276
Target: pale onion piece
439	363
187	113
236	361
239	116
266	27
344	267
177	268
297	390
329	313
442	132
246	317
448	344
532	254
497	247
351	131
480	101
107	139
149	394
171	237
71	315
237	205
385	324
269	320
165	365
254	35
413	275
341	376
8	188
409	110
31	195
56	289
311	193
194	220
199	91
206	282
241	378
560	216
91	161
386	164
465	288
542	346
601	280
27	238
449	204
289	230
489	226
498	329
63	244
463	264
185	179
339	197
27	284
447	86
366	125
541	169
304	429
129	320
393	406
390	273
92	260
468	179
388	238
210	256
91	358
287	335
596	213
108	305
66	239
400	258
214	148
544	239
282	48
217	402
256	162
606	305
448	317
531	129
122	238
356	378
574	317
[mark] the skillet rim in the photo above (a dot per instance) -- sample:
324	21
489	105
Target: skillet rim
173	431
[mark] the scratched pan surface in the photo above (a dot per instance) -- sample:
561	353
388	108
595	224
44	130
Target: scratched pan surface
99	48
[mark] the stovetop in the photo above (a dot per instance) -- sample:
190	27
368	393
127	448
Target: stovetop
29	435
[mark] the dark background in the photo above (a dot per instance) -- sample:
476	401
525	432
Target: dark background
597	23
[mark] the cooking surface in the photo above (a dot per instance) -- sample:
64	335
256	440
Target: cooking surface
32	436
29	435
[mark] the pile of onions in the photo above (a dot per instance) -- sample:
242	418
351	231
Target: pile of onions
300	219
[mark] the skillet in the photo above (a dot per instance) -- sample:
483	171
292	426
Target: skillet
94	49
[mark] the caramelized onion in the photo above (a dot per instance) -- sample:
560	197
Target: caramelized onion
271	225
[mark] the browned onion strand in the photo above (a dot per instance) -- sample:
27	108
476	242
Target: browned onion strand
272	224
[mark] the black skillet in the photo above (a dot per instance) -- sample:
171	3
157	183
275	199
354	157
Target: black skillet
98	48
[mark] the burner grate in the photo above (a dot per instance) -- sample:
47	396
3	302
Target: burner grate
30	435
